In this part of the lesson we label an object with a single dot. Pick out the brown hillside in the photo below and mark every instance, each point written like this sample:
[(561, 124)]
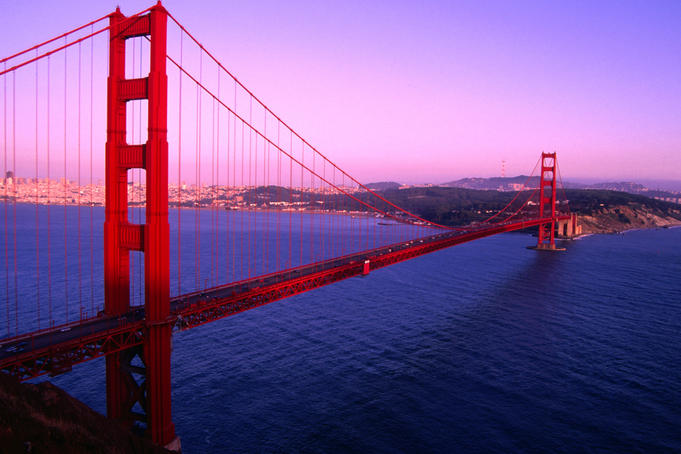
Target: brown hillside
[(43, 418)]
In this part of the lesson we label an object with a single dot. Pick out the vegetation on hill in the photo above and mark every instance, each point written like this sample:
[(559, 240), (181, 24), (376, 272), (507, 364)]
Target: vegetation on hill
[(45, 419), (603, 211), (590, 201), (491, 183), (449, 206), (613, 211)]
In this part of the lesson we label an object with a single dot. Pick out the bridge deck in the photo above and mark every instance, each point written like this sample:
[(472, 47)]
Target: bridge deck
[(57, 349)]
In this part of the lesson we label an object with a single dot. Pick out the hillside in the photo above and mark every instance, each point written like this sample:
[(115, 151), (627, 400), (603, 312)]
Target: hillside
[(612, 211), (600, 210), (514, 183), (45, 419), (493, 183)]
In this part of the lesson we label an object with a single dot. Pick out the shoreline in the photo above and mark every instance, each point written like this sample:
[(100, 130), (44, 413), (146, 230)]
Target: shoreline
[(625, 231), (603, 222)]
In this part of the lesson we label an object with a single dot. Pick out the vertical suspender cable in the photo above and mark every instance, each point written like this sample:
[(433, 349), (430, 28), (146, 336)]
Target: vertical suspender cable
[(313, 216), (265, 198), (132, 122), (227, 193), (140, 278), (232, 220), (243, 213), (92, 249), (255, 218), (49, 201), (360, 221), (290, 199), (266, 174), (37, 213), (80, 269), (179, 173), (234, 186), (337, 231), (250, 187), (4, 150), (279, 197), (300, 211), (324, 220), (199, 193), (373, 221), (343, 240), (213, 257), (197, 265), (66, 257), (14, 208), (217, 183)]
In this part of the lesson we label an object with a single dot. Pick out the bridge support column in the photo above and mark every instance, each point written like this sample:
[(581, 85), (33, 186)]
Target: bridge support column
[(152, 238), (157, 240), (547, 203), (569, 228), (116, 257)]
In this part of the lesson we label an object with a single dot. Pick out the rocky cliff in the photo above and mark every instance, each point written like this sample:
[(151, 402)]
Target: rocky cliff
[(619, 218)]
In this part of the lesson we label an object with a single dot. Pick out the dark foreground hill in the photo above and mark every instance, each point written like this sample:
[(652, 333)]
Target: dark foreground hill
[(44, 419)]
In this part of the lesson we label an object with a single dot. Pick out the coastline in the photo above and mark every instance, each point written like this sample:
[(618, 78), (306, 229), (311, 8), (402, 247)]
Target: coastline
[(611, 220), (623, 232), (621, 219)]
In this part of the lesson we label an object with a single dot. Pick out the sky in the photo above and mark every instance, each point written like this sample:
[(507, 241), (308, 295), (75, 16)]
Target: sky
[(433, 91)]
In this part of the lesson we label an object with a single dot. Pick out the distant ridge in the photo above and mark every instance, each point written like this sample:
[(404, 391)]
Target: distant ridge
[(383, 185), (515, 184), (622, 186), (494, 183)]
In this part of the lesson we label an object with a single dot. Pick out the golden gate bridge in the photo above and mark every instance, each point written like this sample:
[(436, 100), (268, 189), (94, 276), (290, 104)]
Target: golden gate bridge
[(264, 216)]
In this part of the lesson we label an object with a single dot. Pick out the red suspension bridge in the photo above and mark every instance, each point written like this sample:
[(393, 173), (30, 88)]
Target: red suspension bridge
[(212, 205)]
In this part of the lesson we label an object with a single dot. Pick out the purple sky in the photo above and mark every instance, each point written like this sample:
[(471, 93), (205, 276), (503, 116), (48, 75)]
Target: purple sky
[(432, 91)]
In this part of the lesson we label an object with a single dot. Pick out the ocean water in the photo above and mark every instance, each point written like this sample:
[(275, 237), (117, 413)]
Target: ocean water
[(483, 347), (51, 257)]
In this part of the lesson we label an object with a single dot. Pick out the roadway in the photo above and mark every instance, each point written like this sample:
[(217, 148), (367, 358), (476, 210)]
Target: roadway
[(56, 349)]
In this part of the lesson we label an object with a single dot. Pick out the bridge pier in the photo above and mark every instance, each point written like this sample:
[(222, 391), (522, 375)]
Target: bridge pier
[(546, 247), (568, 228)]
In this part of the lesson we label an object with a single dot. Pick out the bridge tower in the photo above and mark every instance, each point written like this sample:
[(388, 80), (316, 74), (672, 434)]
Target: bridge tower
[(547, 202), (139, 389)]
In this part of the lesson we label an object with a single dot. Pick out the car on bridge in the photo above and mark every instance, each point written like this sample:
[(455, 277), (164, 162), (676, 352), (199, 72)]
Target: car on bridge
[(16, 348)]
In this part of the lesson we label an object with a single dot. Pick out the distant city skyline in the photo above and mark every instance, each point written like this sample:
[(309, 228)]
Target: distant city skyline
[(438, 91), (62, 186)]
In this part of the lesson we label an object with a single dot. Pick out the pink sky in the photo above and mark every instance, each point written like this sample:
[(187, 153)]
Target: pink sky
[(433, 91)]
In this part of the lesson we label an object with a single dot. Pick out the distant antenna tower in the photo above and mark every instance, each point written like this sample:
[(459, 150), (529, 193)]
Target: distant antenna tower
[(503, 168)]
